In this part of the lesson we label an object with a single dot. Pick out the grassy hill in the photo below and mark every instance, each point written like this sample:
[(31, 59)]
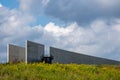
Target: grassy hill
[(41, 71)]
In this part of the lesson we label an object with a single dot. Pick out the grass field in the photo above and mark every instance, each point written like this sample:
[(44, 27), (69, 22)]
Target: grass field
[(42, 71)]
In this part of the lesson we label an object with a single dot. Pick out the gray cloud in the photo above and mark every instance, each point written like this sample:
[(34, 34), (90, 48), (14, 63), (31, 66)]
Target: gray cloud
[(34, 7), (80, 11), (83, 11)]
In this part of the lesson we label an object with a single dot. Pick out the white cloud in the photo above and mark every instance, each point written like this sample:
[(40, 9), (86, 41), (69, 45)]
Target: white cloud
[(93, 40), (0, 5), (58, 31), (34, 7)]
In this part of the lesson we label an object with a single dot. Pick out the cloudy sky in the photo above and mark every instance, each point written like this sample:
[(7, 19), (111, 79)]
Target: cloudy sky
[(90, 27)]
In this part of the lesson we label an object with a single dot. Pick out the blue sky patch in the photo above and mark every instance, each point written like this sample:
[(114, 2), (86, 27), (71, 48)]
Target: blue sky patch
[(10, 3)]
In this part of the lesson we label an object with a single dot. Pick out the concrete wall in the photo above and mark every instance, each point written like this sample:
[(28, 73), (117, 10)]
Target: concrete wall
[(15, 53), (63, 56), (34, 52)]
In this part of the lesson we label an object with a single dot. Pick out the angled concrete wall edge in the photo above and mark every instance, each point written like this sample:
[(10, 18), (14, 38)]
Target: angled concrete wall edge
[(34, 42)]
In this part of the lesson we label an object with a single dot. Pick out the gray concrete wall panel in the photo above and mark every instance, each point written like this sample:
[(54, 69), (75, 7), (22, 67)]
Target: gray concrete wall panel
[(63, 56), (16, 53), (34, 51)]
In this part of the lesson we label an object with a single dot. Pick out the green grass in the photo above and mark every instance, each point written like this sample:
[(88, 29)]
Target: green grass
[(41, 71)]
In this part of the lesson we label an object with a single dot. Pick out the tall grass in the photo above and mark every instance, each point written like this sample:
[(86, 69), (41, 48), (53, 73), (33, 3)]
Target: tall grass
[(42, 71)]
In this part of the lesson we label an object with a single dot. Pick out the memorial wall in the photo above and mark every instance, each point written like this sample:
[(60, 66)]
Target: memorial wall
[(66, 57), (15, 53), (34, 51)]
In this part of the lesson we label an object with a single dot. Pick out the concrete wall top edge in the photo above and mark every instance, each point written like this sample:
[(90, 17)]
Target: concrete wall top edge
[(15, 45), (82, 54), (34, 42)]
